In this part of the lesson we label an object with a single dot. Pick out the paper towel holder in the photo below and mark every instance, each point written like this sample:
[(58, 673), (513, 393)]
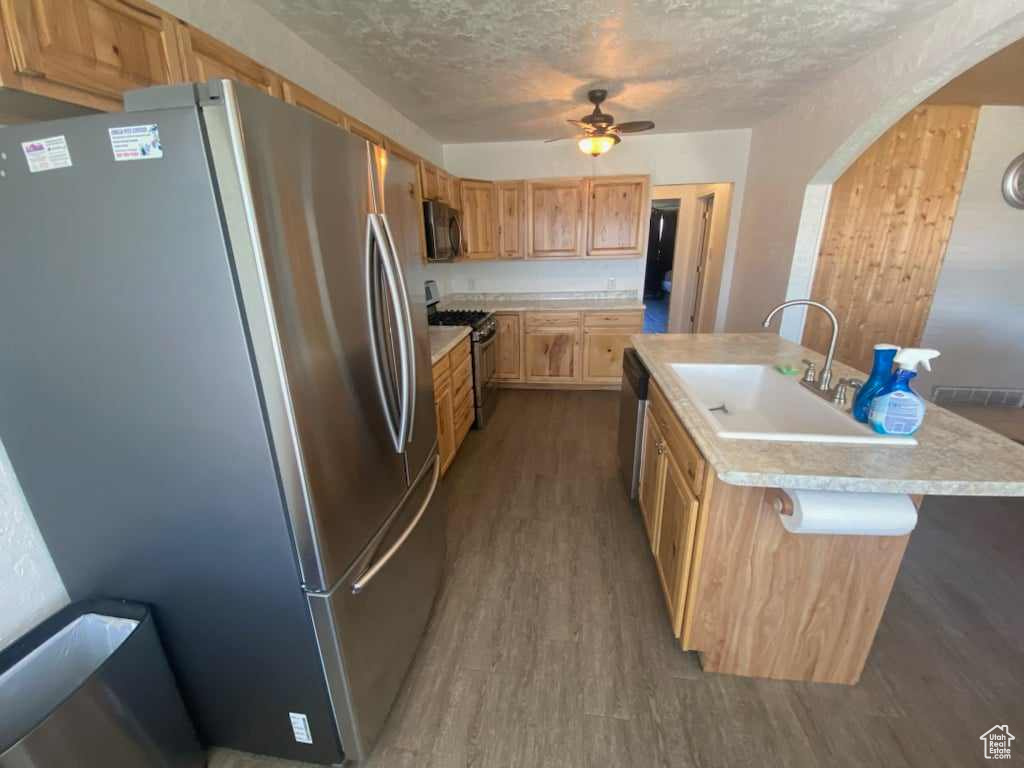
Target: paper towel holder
[(779, 501)]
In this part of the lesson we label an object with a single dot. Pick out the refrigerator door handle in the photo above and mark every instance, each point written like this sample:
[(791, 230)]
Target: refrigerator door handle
[(407, 349), (377, 243), (372, 570)]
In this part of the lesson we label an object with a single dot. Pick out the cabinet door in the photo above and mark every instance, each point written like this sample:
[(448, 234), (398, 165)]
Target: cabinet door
[(444, 189), (616, 222), (509, 360), (652, 474), (479, 219), (552, 355), (429, 180), (602, 355), (300, 97), (555, 215), (207, 58), (675, 542), (445, 423), (97, 49), (511, 196)]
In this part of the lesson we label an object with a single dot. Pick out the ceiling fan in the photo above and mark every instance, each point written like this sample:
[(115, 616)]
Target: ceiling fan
[(600, 132)]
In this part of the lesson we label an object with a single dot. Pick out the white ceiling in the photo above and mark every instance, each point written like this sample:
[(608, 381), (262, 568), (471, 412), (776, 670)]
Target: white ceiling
[(490, 70)]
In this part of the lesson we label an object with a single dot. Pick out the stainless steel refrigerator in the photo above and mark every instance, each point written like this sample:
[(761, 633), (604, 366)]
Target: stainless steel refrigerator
[(215, 389)]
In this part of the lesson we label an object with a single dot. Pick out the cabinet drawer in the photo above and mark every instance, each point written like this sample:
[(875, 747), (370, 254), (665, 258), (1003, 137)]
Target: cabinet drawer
[(535, 320), (441, 369), (690, 461), (462, 381), (459, 353), (628, 319)]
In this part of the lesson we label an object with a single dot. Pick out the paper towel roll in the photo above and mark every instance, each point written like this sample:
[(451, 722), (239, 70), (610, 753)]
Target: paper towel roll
[(850, 514)]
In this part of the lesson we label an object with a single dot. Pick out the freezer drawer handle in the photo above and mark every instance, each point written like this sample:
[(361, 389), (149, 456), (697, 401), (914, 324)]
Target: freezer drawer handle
[(374, 569)]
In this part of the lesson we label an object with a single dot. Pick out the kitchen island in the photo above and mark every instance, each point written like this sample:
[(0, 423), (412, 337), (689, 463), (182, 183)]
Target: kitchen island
[(752, 598)]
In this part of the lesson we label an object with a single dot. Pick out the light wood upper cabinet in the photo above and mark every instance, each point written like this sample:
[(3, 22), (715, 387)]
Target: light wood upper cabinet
[(556, 212), (90, 52), (508, 360), (511, 219), (300, 97), (455, 192), (617, 220), (429, 181), (444, 189), (363, 131), (207, 58), (479, 219)]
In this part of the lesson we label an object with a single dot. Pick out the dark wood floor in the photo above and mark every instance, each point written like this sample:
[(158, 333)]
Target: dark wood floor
[(550, 646)]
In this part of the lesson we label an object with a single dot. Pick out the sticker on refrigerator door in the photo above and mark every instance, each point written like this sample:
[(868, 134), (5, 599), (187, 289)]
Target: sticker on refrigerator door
[(46, 154), (136, 142), (300, 727)]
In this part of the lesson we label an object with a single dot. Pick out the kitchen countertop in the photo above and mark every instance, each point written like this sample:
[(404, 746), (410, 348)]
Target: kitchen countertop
[(443, 339), (954, 456), (570, 301)]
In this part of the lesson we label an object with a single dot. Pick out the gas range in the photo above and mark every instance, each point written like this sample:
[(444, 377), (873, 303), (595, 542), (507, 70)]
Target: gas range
[(483, 323)]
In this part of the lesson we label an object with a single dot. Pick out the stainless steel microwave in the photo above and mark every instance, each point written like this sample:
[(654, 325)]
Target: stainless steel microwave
[(444, 231)]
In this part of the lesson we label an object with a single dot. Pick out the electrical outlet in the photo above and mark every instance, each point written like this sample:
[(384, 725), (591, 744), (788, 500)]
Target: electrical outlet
[(611, 283)]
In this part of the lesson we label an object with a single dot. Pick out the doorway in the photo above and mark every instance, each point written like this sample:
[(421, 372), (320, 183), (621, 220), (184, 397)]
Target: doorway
[(661, 246), (685, 252)]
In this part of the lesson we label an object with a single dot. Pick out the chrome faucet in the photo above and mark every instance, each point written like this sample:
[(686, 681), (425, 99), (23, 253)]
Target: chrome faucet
[(825, 377)]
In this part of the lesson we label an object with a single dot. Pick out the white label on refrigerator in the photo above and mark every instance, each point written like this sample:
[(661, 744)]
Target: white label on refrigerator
[(46, 154), (136, 142), (300, 727)]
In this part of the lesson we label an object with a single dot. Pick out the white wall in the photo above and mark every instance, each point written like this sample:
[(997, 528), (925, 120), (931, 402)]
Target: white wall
[(30, 589), (812, 141), (977, 315), (250, 29), (669, 158)]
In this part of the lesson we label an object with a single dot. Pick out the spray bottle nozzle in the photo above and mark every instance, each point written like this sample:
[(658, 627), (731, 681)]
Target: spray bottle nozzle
[(909, 358)]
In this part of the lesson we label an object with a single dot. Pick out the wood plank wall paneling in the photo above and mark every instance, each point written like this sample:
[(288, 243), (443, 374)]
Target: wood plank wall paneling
[(886, 233)]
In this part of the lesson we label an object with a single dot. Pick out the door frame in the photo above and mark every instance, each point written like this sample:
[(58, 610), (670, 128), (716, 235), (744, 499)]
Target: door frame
[(688, 257)]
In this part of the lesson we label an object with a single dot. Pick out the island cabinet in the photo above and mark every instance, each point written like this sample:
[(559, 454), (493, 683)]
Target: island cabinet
[(751, 598), (509, 358), (87, 52), (453, 401)]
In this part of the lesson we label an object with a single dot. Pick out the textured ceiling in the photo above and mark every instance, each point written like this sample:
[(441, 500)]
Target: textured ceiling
[(495, 70)]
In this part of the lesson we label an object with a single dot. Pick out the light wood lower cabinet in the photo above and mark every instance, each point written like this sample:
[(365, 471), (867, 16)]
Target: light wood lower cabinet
[(652, 478), (509, 358), (453, 401), (551, 349)]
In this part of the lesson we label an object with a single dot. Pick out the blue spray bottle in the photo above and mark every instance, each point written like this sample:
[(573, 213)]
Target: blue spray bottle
[(897, 409), (881, 375)]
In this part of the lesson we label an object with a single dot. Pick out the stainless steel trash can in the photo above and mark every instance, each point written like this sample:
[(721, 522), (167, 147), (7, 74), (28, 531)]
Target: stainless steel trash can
[(90, 687)]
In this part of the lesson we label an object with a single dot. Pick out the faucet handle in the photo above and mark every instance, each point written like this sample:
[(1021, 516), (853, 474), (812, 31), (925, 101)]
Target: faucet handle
[(811, 374)]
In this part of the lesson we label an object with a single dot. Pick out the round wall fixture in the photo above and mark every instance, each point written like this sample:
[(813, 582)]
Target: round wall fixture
[(1013, 182)]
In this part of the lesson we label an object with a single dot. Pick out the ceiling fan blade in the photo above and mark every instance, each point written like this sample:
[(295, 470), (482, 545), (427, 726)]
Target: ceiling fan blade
[(634, 127), (579, 123), (560, 138)]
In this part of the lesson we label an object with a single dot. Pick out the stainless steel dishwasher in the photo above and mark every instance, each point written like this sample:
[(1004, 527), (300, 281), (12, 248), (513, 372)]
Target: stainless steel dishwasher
[(632, 409)]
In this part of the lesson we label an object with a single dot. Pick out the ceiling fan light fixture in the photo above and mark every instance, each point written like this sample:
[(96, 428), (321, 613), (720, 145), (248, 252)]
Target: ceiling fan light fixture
[(597, 145)]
